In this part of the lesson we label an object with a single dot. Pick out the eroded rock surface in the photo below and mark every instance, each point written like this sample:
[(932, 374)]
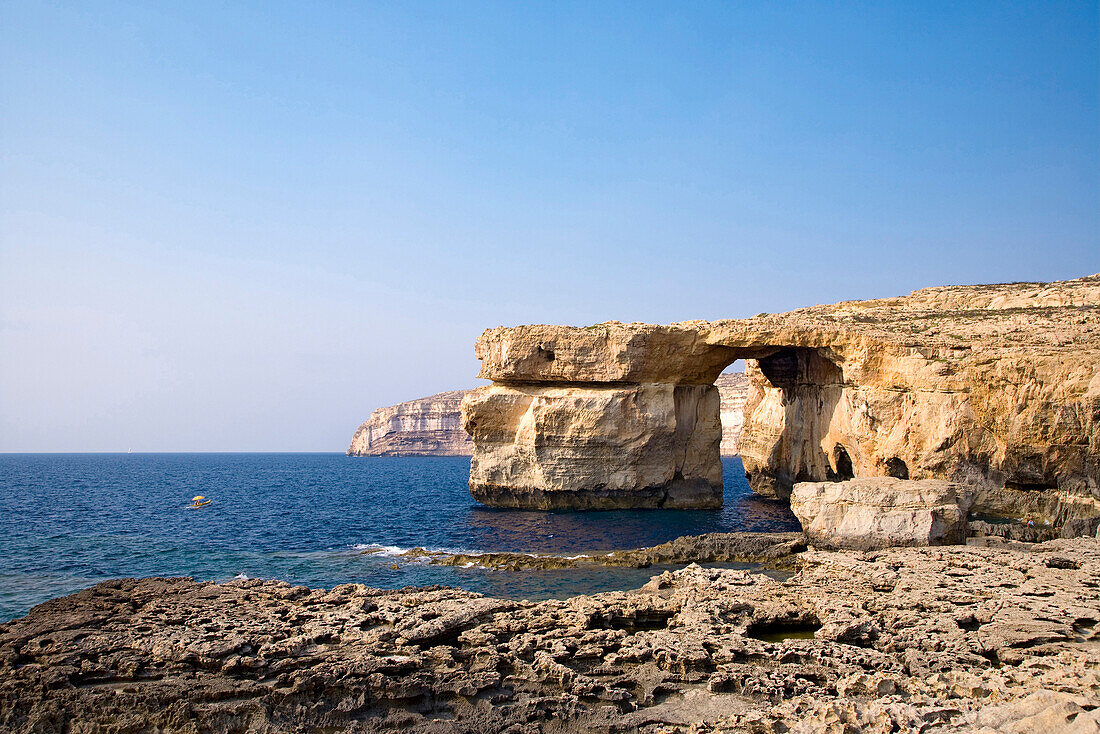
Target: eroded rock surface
[(902, 640), (775, 549), (430, 426), (602, 447), (878, 512), (997, 386)]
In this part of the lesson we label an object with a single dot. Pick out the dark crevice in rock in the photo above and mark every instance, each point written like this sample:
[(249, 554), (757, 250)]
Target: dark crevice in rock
[(1031, 486), (842, 463), (897, 468), (637, 621), (970, 623), (776, 630)]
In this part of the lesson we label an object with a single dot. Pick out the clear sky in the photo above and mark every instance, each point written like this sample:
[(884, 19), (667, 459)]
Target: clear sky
[(243, 226)]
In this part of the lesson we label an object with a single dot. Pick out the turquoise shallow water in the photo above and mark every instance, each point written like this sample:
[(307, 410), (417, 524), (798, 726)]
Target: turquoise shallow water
[(70, 521)]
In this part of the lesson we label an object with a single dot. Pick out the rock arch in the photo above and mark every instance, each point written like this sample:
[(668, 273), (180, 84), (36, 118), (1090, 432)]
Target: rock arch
[(936, 385), (628, 416)]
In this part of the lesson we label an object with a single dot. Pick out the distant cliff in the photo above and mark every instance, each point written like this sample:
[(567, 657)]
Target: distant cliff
[(733, 389), (432, 426)]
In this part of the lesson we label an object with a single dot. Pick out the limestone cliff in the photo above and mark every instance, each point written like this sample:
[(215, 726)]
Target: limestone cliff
[(733, 390), (994, 385), (578, 447), (430, 426)]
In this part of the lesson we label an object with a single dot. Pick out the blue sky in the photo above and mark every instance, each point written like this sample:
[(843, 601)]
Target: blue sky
[(243, 226)]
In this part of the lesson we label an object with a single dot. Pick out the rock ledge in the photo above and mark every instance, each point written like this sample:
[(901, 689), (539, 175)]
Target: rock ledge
[(948, 639)]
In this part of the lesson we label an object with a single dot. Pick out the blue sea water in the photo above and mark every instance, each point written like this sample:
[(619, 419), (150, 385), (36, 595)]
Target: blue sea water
[(70, 521)]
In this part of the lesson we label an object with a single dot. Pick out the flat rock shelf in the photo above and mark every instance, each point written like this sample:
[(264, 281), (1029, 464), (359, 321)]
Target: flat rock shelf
[(954, 638)]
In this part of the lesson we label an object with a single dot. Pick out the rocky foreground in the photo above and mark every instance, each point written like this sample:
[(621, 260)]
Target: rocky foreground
[(944, 639)]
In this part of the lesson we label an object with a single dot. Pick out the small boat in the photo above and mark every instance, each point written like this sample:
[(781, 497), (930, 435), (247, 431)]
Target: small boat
[(197, 502)]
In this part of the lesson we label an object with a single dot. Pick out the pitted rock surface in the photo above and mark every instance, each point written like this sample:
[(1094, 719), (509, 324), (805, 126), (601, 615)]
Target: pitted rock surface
[(939, 639)]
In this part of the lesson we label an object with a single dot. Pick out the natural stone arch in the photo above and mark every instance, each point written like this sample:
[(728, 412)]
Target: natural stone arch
[(928, 386), (625, 416)]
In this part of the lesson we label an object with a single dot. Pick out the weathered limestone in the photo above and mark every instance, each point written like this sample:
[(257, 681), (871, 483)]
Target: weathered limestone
[(649, 445), (950, 639), (600, 420), (880, 512), (997, 386), (430, 426)]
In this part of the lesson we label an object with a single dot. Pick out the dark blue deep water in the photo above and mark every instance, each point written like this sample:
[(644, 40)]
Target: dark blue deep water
[(70, 521)]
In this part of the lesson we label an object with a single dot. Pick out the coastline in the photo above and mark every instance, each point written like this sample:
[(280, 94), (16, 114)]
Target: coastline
[(302, 518), (775, 549), (948, 638)]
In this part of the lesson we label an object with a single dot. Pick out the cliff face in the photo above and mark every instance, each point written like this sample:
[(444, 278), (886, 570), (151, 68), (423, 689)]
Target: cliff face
[(997, 386), (733, 389), (429, 426), (577, 447)]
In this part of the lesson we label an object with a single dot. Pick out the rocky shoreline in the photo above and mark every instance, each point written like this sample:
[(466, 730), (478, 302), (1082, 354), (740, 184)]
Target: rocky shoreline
[(776, 550), (1000, 637)]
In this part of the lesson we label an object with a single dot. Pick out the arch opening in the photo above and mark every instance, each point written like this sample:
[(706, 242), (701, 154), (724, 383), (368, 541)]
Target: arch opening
[(802, 386)]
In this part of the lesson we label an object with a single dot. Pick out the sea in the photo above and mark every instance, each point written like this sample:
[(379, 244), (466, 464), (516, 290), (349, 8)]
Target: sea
[(69, 521)]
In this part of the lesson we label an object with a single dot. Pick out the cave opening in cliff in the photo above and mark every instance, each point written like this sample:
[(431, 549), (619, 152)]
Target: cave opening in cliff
[(781, 369), (897, 468), (842, 464), (791, 368)]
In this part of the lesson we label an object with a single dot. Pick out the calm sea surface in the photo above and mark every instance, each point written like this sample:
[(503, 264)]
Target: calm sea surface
[(70, 521)]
